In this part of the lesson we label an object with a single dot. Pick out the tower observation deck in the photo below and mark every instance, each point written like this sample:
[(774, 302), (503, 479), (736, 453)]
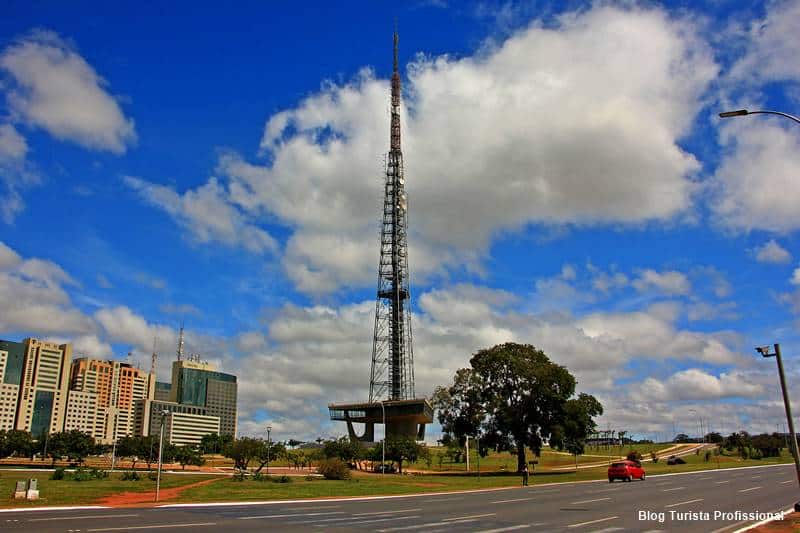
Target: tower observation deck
[(391, 388)]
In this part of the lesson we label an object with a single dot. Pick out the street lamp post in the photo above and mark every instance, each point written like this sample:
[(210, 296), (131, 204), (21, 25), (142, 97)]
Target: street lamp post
[(164, 414), (699, 422), (383, 442), (765, 352), (743, 112), (269, 429)]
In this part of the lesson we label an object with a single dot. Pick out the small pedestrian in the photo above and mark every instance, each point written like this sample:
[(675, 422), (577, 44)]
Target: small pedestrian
[(525, 476)]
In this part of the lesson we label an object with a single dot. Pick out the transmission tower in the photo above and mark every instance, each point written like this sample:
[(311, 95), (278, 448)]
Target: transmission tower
[(392, 374)]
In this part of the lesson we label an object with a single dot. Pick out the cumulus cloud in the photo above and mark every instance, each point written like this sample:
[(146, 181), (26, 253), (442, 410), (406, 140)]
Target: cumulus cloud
[(696, 384), (773, 47), (611, 90), (53, 87), (772, 252), (207, 214), (757, 180), (36, 301), (16, 172), (668, 282)]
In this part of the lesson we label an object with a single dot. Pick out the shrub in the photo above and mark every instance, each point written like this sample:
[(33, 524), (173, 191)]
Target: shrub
[(81, 474), (707, 457), (654, 457), (755, 453), (58, 474), (239, 476), (152, 476), (258, 476), (334, 469), (130, 475), (634, 455), (282, 479), (310, 478)]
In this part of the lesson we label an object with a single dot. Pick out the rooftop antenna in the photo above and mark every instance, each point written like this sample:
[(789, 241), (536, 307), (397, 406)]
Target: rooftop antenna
[(154, 358), (180, 344), (128, 359)]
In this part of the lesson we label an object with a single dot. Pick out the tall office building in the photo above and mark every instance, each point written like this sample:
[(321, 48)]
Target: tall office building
[(183, 424), (12, 355), (116, 386), (199, 384), (43, 385)]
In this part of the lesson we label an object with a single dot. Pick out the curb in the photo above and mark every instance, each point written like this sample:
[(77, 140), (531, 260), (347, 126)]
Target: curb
[(75, 508), (767, 521)]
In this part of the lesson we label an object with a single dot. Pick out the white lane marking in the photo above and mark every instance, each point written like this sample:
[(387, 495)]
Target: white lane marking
[(447, 499), (159, 526), (81, 517), (388, 512), (721, 482), (310, 508), (350, 521), (604, 491), (499, 529), (751, 488), (702, 478), (514, 500), (687, 502), (465, 517), (670, 490), (608, 530), (593, 521), (420, 526), (785, 482), (756, 477), (286, 515), (590, 501)]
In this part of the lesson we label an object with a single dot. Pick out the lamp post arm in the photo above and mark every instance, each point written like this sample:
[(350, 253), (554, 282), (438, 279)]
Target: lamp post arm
[(743, 112)]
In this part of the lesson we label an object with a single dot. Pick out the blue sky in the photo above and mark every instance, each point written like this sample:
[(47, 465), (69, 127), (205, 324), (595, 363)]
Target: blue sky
[(570, 186)]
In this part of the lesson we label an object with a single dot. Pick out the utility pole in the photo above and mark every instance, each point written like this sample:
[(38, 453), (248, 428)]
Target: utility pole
[(164, 414)]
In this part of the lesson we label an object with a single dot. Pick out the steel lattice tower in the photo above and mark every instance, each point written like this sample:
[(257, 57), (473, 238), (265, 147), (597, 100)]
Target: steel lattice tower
[(392, 375)]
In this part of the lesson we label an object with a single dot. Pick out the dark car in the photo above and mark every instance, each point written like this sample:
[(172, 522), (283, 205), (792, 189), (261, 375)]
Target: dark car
[(387, 468), (626, 471)]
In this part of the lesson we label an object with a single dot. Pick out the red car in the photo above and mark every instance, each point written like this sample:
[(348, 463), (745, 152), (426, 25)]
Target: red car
[(626, 471)]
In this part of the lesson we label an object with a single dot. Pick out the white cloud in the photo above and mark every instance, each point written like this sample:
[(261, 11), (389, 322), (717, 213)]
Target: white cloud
[(123, 325), (757, 181), (773, 46), (56, 89), (16, 172), (36, 302), (669, 282), (696, 384), (180, 309), (91, 346), (207, 214), (579, 124), (795, 277), (772, 252), (13, 146)]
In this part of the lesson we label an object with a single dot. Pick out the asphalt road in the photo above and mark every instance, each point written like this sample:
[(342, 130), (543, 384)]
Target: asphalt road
[(661, 503)]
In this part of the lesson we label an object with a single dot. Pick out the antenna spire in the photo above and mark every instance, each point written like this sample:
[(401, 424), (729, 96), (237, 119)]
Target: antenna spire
[(180, 343), (154, 358)]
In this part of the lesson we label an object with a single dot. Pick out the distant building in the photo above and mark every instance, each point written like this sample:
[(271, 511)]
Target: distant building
[(199, 384), (116, 386), (163, 391), (184, 425), (43, 386), (83, 414), (12, 356)]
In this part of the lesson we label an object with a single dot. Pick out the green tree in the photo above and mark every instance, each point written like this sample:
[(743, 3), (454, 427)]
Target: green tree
[(188, 455), (344, 448), (269, 452), (399, 449), (513, 396), (577, 424), (211, 443), (16, 442), (243, 451)]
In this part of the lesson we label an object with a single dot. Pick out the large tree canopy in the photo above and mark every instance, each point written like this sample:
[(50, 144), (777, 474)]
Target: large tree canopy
[(514, 397)]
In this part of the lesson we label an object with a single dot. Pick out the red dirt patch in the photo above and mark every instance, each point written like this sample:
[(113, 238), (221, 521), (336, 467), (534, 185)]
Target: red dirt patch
[(791, 522), (128, 499)]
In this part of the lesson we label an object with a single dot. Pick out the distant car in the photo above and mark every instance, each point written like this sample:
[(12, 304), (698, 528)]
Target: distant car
[(387, 468), (626, 471)]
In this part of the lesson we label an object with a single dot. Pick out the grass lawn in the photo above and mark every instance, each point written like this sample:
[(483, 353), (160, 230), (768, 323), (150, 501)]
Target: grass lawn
[(368, 484), (65, 492), (505, 461)]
